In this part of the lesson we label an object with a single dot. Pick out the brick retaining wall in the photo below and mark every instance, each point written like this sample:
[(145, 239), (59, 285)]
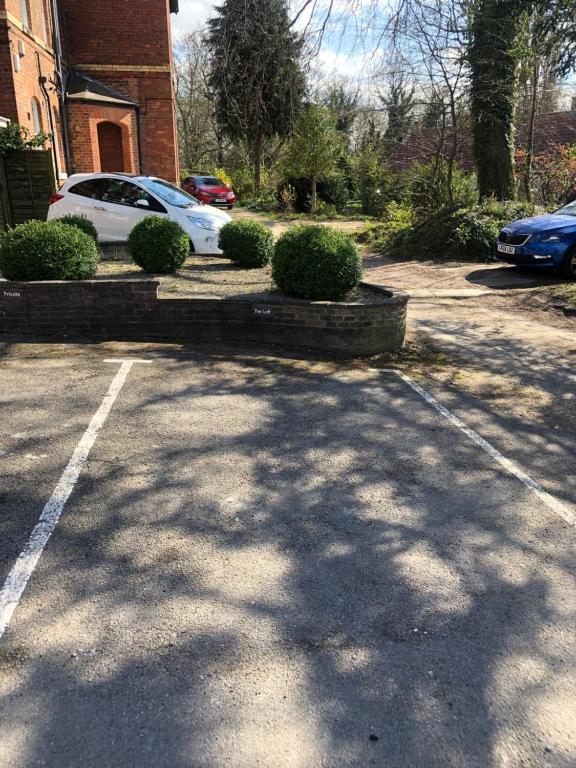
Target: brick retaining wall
[(131, 310)]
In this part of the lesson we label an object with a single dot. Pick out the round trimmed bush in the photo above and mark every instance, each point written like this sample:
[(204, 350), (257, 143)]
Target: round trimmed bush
[(47, 250), (82, 223), (316, 262), (158, 245), (247, 243)]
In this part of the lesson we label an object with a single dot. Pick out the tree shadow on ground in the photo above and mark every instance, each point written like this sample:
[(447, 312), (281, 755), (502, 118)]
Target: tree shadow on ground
[(508, 278), (278, 567)]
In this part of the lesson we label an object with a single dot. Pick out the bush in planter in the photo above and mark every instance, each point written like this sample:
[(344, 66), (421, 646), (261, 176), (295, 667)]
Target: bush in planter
[(82, 223), (316, 262), (47, 250), (158, 245), (247, 243)]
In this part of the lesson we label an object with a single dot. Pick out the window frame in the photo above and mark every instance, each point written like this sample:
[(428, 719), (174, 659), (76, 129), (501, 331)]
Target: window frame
[(36, 109), (25, 14)]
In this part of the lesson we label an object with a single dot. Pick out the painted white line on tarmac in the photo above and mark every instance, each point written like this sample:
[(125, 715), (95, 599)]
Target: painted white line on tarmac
[(551, 502), (127, 360), (24, 566)]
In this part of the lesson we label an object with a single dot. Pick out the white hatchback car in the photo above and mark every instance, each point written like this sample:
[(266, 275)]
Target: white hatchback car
[(115, 202)]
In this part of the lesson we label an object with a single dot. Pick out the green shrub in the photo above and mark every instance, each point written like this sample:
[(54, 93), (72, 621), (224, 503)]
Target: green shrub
[(265, 200), (158, 245), (458, 234), (52, 250), (82, 223), (247, 243), (332, 191), (316, 262), (397, 218), (373, 181), (425, 187)]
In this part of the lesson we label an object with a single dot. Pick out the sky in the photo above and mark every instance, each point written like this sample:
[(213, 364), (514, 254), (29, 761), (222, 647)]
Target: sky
[(341, 55)]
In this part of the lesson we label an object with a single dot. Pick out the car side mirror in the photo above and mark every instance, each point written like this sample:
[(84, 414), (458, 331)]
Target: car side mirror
[(142, 203)]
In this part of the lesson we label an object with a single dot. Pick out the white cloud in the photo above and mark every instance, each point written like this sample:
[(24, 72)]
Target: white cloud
[(342, 54), (193, 15)]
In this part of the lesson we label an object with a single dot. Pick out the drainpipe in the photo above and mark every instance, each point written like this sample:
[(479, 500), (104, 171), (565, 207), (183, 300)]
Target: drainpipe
[(60, 85), (139, 138), (43, 80)]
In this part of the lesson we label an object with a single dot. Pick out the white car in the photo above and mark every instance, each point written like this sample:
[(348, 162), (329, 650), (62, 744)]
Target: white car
[(115, 202)]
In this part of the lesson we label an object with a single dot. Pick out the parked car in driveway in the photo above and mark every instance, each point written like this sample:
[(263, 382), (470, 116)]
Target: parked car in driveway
[(115, 202), (210, 190), (545, 242)]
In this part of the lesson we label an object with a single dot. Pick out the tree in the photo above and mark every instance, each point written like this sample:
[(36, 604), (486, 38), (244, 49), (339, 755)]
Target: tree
[(199, 137), (557, 23), (315, 147), (429, 47), (399, 104), (256, 76), (343, 102), (493, 56)]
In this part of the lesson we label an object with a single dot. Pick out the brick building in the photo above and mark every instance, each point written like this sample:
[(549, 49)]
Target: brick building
[(98, 75)]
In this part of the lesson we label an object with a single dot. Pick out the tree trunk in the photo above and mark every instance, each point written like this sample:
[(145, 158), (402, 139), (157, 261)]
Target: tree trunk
[(314, 195), (453, 150), (258, 162), (493, 58), (530, 132)]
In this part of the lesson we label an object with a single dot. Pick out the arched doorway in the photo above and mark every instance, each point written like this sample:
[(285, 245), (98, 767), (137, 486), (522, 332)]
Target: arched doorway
[(111, 148)]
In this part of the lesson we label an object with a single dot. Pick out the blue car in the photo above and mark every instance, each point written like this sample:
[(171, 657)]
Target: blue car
[(545, 242)]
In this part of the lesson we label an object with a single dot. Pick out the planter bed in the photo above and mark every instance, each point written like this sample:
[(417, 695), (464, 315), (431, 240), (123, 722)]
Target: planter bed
[(208, 300), (213, 276)]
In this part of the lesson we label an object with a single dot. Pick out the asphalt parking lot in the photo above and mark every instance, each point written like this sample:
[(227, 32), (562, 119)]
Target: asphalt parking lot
[(270, 562)]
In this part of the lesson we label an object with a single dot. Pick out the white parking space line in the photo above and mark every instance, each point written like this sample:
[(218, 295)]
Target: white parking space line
[(24, 566), (551, 502)]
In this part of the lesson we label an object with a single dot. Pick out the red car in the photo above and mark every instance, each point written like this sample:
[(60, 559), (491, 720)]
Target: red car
[(209, 190)]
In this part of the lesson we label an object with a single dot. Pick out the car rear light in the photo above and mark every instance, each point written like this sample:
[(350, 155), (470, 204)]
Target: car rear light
[(54, 198)]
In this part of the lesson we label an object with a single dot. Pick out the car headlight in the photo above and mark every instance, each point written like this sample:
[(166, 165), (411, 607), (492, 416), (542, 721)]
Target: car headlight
[(212, 224), (547, 238)]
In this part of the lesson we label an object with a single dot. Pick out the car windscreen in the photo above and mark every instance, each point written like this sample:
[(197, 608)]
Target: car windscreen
[(567, 210), (169, 193), (209, 181)]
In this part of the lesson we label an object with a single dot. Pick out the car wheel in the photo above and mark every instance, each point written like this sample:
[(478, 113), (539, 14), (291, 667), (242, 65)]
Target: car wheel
[(192, 249), (230, 207), (569, 266)]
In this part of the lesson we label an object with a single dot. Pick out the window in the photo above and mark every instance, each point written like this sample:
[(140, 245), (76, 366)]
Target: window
[(24, 13), (169, 193), (125, 193), (36, 116), (209, 181), (89, 188), (43, 20), (567, 210)]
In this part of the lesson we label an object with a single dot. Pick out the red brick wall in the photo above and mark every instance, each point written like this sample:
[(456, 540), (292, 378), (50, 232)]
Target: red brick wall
[(19, 88), (129, 32), (124, 43), (132, 55)]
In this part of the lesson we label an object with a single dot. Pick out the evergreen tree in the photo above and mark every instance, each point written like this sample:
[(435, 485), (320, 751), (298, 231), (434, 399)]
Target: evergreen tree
[(557, 25), (256, 77)]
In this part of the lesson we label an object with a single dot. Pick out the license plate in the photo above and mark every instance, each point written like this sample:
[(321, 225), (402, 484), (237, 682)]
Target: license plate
[(506, 248), (220, 200)]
